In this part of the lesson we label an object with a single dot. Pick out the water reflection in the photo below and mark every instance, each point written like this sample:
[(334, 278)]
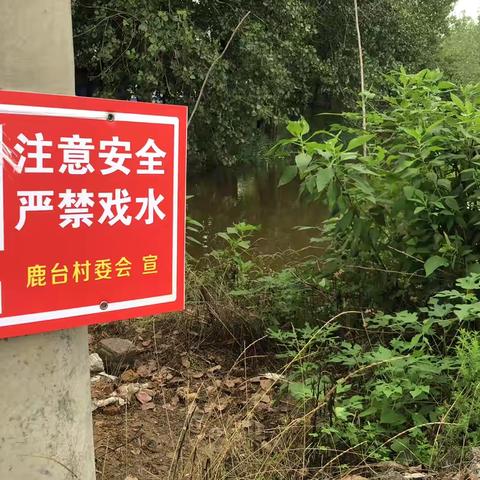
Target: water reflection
[(225, 196)]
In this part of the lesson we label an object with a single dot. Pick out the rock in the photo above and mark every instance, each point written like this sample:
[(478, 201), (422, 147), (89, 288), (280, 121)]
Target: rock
[(116, 351), (96, 363), (143, 397), (101, 376), (102, 388), (390, 475), (127, 391), (113, 400)]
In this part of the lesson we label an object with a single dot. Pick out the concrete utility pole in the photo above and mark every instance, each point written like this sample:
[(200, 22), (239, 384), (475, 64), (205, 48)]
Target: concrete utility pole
[(45, 422)]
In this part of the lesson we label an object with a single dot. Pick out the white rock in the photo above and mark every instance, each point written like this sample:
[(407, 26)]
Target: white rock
[(276, 377), (102, 375), (107, 401), (96, 363)]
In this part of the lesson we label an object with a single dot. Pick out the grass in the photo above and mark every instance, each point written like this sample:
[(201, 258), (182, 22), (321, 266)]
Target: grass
[(227, 426)]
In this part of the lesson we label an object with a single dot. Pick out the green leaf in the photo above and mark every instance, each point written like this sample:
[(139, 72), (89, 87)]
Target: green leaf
[(281, 143), (419, 419), (408, 191), (444, 85), (362, 169), (299, 128), (302, 160), (358, 141), (419, 390), (224, 236), (413, 133), (452, 203), (467, 312), (345, 221), (400, 445), (472, 282), (456, 100), (368, 412), (365, 187), (300, 391), (240, 293), (390, 417), (368, 95), (324, 177), (193, 222), (342, 413), (288, 175), (193, 240), (433, 263), (445, 183)]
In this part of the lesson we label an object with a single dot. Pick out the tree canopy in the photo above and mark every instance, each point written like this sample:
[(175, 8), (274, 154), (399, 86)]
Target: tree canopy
[(280, 59), (460, 52)]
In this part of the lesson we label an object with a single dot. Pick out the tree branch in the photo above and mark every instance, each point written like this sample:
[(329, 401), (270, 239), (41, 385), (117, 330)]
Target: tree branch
[(362, 73), (212, 66)]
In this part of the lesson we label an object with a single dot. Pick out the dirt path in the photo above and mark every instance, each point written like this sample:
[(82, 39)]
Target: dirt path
[(176, 402)]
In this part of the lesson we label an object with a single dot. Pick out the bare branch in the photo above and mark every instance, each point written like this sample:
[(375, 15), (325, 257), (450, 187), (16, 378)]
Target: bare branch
[(362, 73), (212, 66)]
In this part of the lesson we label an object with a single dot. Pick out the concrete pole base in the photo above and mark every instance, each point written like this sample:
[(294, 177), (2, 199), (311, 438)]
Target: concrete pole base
[(46, 427), (46, 422)]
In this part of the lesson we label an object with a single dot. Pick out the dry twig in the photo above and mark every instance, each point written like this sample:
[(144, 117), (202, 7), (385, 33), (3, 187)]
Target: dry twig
[(212, 66)]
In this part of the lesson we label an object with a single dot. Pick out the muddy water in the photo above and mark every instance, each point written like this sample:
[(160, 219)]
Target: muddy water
[(225, 196)]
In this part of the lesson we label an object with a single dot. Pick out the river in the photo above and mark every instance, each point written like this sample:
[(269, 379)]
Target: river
[(251, 194)]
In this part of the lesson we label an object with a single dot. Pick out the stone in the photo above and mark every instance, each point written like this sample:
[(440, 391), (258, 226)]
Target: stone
[(96, 363), (113, 400), (103, 376), (116, 351)]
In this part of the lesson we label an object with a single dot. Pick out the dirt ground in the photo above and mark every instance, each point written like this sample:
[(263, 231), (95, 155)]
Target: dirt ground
[(197, 406), (177, 401)]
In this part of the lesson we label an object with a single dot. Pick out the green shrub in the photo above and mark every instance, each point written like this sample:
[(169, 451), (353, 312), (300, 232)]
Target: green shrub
[(404, 195), (245, 293), (386, 385)]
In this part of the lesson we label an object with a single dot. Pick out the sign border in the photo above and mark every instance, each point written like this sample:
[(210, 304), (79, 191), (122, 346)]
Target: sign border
[(39, 317)]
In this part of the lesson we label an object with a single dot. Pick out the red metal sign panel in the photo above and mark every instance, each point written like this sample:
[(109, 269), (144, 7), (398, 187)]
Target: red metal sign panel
[(92, 211)]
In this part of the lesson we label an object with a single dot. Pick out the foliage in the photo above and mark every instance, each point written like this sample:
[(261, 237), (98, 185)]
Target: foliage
[(411, 204), (394, 33), (164, 49), (193, 228), (459, 55), (279, 61), (232, 258), (246, 293), (387, 399), (465, 409)]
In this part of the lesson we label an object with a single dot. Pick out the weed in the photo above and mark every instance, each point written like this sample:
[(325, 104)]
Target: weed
[(391, 394)]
